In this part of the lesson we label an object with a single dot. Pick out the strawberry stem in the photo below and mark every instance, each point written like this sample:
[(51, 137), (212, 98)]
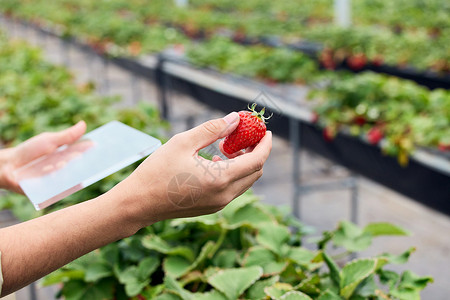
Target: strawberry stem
[(259, 115)]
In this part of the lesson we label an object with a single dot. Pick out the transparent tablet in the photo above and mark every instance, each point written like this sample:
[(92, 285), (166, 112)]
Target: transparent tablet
[(73, 167)]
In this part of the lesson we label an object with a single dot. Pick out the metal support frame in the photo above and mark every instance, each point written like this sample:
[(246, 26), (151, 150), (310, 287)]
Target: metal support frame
[(161, 83), (301, 189)]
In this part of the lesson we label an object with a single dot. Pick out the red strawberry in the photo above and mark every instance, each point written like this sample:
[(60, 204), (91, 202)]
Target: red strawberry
[(357, 62), (329, 133), (444, 147), (250, 130), (374, 135), (359, 120), (314, 117)]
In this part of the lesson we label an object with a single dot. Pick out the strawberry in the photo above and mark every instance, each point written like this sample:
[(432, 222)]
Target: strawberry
[(374, 135), (250, 130), (329, 133), (357, 62)]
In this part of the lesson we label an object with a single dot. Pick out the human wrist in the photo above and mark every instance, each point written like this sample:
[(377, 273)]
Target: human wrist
[(134, 209)]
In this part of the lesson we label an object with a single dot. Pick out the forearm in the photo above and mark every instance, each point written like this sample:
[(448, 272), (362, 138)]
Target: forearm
[(37, 247)]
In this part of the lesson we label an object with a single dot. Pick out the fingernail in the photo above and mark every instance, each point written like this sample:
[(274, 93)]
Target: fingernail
[(231, 117)]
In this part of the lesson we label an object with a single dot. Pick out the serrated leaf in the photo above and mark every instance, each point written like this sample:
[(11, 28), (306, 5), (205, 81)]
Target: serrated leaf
[(273, 236), (383, 228), (398, 259), (233, 282), (154, 242), (295, 295), (353, 273), (168, 296), (256, 291), (79, 290), (329, 295), (225, 258), (309, 285), (300, 255), (351, 237), (277, 290), (147, 266), (62, 275), (175, 287), (249, 214), (243, 200), (97, 271), (176, 266), (212, 295), (389, 278)]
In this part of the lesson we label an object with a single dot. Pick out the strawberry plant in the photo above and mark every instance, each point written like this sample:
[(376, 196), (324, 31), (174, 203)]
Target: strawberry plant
[(378, 107), (247, 251)]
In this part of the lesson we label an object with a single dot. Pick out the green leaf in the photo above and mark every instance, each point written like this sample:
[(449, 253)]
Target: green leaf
[(329, 295), (97, 271), (226, 258), (334, 269), (62, 275), (174, 286), (249, 214), (260, 256), (351, 237), (79, 290), (240, 202), (176, 266), (367, 288), (353, 273), (154, 242), (277, 290), (389, 278), (398, 259), (168, 296), (300, 255), (295, 295), (256, 291), (212, 295), (147, 266), (382, 228), (233, 282), (273, 236)]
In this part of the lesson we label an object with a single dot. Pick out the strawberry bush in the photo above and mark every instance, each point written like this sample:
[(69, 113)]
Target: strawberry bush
[(415, 36), (402, 113), (249, 250)]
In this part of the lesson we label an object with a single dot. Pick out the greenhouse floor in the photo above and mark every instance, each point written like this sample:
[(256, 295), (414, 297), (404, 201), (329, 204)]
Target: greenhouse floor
[(321, 210)]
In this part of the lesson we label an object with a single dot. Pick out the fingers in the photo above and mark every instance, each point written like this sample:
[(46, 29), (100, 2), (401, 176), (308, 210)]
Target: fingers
[(210, 131), (68, 135), (253, 161), (233, 155)]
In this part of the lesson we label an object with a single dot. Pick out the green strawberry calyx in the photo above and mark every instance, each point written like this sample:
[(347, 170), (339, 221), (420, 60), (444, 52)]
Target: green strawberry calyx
[(260, 114)]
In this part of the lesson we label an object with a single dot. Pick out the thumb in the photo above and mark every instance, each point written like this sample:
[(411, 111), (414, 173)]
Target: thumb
[(210, 131)]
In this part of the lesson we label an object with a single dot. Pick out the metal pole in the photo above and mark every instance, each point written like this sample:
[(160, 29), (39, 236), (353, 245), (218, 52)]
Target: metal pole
[(294, 136), (354, 205), (162, 88), (135, 88), (105, 82), (342, 13), (33, 295)]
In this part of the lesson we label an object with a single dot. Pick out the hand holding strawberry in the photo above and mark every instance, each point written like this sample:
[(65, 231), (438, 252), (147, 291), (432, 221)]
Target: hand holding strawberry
[(251, 129)]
